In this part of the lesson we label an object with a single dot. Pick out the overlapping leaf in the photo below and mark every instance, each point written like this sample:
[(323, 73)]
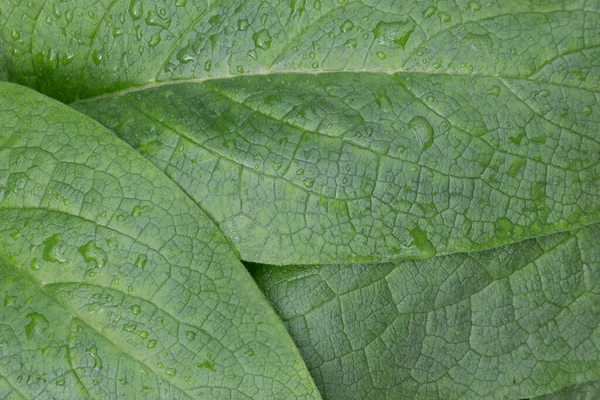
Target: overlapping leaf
[(512, 322), (313, 132), (445, 128), (113, 284)]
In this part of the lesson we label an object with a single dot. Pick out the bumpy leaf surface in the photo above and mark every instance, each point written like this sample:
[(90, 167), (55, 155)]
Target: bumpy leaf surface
[(113, 284), (583, 391), (511, 322), (355, 131)]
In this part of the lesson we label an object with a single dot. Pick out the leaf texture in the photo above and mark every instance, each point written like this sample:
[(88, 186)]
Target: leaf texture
[(113, 284), (340, 132), (511, 322)]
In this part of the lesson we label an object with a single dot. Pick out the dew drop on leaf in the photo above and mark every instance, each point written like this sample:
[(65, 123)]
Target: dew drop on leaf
[(37, 324), (474, 6), (420, 243), (351, 43), (91, 253), (262, 39), (428, 12), (136, 9), (394, 33), (243, 24), (154, 41), (141, 261), (422, 130), (347, 26), (136, 309), (52, 249), (153, 19), (97, 57)]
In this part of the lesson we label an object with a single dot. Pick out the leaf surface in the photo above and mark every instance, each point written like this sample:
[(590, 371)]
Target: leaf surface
[(358, 167), (355, 131), (583, 391), (511, 322), (113, 283)]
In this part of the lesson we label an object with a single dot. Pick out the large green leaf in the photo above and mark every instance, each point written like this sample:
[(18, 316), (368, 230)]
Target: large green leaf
[(113, 284), (511, 322), (369, 167), (583, 391), (394, 130)]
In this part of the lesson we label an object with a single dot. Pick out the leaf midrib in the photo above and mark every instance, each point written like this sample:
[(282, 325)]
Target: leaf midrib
[(157, 84)]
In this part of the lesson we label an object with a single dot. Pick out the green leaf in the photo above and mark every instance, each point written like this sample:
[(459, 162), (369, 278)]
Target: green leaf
[(361, 167), (356, 132), (583, 391), (511, 322), (113, 283)]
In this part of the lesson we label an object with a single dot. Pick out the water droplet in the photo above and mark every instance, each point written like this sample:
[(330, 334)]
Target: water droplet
[(68, 59), (381, 55), (494, 91), (180, 3), (154, 41), (136, 309), (300, 171), (141, 261), (444, 17), (129, 327), (429, 12), (15, 34), (10, 301), (171, 371), (317, 5), (207, 365), (136, 9), (94, 254), (351, 43), (394, 33), (60, 382), (347, 26), (153, 19), (423, 131), (185, 55), (383, 101), (239, 69), (474, 6), (151, 343), (142, 334), (298, 7), (190, 335), (587, 110), (37, 324), (517, 139), (243, 24), (93, 352), (207, 65), (97, 57), (34, 264), (52, 249), (262, 39), (308, 183), (419, 245)]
